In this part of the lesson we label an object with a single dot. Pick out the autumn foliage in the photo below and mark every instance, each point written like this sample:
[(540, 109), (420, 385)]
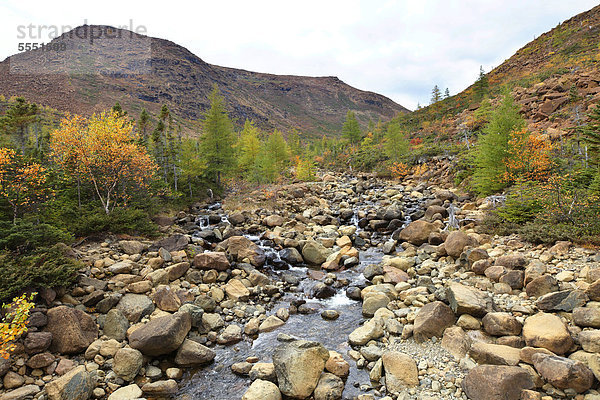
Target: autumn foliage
[(528, 158), (22, 184), (399, 170), (104, 151), (15, 323)]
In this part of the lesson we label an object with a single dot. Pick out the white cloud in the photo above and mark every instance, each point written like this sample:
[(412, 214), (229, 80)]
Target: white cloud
[(399, 48)]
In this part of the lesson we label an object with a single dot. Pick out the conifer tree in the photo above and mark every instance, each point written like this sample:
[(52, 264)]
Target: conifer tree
[(396, 144), (18, 117), (481, 86), (436, 94), (447, 93), (119, 110), (218, 138), (351, 130), (248, 149), (142, 126), (493, 146)]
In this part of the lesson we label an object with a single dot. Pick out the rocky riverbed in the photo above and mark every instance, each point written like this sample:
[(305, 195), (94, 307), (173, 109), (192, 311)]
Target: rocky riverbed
[(346, 288)]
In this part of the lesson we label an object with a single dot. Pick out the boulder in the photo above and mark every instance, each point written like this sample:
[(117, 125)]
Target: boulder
[(161, 389), (501, 324), (563, 373), (315, 253), (262, 390), (37, 342), (274, 220), (135, 306), (431, 320), (456, 242), (291, 256), (400, 371), (337, 365), (587, 317), (547, 331), (236, 290), (330, 387), (131, 247), (115, 325), (77, 384), (127, 363), (22, 393), (241, 248), (417, 232), (128, 392), (176, 242), (211, 260), (497, 354), (298, 366), (72, 330), (372, 329), (496, 382), (467, 300), (193, 354), (161, 335), (166, 299)]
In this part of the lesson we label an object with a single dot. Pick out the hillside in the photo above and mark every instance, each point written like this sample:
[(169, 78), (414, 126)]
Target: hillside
[(555, 78), (145, 72)]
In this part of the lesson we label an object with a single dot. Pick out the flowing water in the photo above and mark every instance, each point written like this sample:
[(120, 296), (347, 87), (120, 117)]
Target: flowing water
[(218, 382)]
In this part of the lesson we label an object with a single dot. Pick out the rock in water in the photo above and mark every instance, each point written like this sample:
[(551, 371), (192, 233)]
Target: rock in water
[(330, 387), (77, 384), (496, 382), (240, 248), (161, 335), (72, 330), (298, 366), (400, 371), (192, 354), (262, 390)]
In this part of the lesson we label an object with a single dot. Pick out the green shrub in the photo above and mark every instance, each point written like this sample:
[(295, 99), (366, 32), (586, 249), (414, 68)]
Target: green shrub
[(122, 220), (27, 236), (50, 267), (539, 232)]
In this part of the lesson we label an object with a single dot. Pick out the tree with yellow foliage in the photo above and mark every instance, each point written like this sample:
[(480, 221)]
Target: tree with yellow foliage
[(105, 151)]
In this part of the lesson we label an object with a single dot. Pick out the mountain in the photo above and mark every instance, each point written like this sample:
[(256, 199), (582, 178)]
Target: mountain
[(91, 67), (555, 79)]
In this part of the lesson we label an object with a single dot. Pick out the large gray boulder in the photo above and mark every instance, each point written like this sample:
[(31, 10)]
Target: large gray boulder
[(161, 335), (77, 384), (298, 366)]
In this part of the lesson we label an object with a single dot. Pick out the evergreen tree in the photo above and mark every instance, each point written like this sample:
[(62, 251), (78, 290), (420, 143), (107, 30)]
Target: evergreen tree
[(142, 126), (17, 119), (351, 130), (294, 143), (119, 110), (396, 144), (436, 94), (481, 86), (493, 146), (447, 93), (192, 165), (218, 138)]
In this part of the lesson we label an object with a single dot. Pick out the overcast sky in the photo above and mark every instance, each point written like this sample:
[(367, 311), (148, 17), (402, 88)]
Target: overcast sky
[(399, 48)]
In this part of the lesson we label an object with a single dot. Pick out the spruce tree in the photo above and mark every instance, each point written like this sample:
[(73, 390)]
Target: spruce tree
[(17, 119), (118, 110), (436, 94), (481, 86), (142, 126), (493, 147), (218, 138), (351, 130), (447, 93)]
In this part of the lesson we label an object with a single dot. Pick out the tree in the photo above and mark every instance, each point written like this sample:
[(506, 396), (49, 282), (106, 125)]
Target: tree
[(481, 86), (22, 184), (142, 127), (104, 151), (396, 145), (447, 93), (17, 118), (493, 147), (218, 138), (247, 148), (351, 130), (192, 165), (436, 94), (118, 110)]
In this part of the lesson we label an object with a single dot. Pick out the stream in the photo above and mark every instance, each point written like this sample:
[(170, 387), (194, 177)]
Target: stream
[(217, 382)]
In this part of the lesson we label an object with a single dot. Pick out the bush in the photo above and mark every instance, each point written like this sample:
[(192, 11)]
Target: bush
[(45, 268), (27, 236)]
